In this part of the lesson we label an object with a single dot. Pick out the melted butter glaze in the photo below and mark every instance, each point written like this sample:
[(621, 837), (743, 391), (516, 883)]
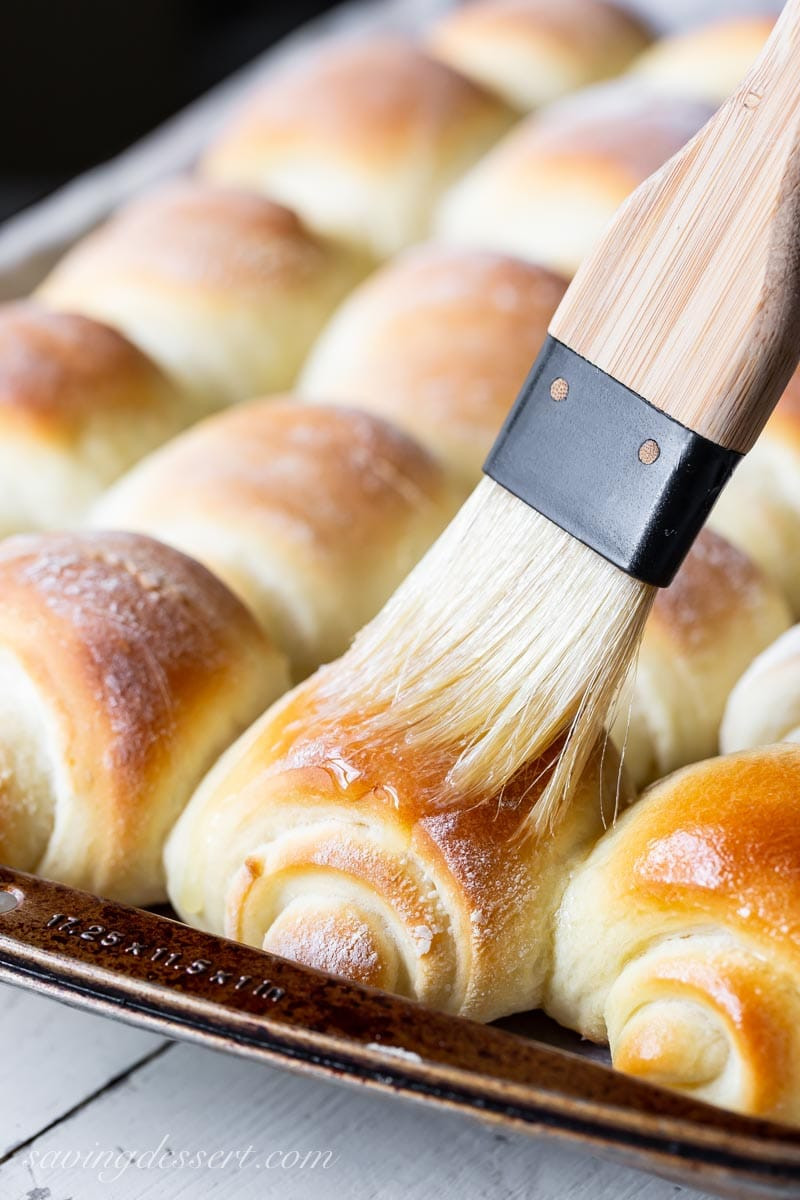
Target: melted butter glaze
[(392, 774)]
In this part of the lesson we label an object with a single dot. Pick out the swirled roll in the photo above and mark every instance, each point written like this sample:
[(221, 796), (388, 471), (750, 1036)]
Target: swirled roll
[(549, 188), (312, 515), (533, 51), (764, 707), (759, 510), (79, 404), (224, 289), (707, 61), (703, 631), (678, 938), (299, 843), (439, 341), (125, 670), (360, 138)]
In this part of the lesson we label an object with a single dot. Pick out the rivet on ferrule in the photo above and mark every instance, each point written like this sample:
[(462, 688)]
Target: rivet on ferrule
[(649, 451), (581, 465)]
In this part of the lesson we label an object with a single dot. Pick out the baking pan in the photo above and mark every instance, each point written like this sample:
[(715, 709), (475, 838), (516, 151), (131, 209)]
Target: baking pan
[(157, 973), (149, 970)]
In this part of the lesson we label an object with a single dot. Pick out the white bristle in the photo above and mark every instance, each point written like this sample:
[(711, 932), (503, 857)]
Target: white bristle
[(508, 634)]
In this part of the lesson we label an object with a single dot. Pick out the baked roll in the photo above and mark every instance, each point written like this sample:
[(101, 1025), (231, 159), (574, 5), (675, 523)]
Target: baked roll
[(312, 516), (298, 843), (360, 139), (533, 51), (708, 61), (764, 707), (79, 404), (549, 188), (678, 938), (125, 670), (703, 631), (759, 510), (224, 289), (439, 341)]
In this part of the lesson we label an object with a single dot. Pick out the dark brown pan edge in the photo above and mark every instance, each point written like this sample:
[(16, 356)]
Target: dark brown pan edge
[(163, 975)]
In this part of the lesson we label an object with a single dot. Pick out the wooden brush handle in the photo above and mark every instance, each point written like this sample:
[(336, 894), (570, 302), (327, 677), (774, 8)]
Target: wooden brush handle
[(692, 298)]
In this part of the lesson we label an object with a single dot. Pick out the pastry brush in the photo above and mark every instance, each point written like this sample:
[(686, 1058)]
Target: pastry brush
[(662, 363)]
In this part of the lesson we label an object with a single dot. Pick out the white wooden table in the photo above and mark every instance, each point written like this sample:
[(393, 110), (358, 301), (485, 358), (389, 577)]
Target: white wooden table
[(91, 1109)]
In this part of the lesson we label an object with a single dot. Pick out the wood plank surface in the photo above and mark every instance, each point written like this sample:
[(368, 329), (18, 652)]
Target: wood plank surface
[(52, 1058), (274, 1134)]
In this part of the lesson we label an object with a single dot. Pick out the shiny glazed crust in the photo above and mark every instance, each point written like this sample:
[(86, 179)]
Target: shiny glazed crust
[(356, 866), (680, 935)]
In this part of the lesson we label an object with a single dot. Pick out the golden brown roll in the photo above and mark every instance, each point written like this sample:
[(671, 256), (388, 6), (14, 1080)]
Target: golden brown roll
[(125, 670), (79, 404), (703, 631), (354, 865), (551, 185), (764, 707), (224, 289), (678, 939), (311, 515), (360, 139), (439, 341), (760, 508), (708, 61), (533, 51)]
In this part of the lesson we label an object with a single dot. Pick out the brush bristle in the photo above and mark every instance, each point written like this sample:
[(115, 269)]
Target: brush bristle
[(508, 634)]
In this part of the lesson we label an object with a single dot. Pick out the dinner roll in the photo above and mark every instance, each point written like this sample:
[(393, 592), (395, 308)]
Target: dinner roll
[(759, 510), (533, 51), (703, 631), (224, 289), (360, 138), (764, 706), (125, 670), (551, 185), (439, 341), (311, 515), (78, 405), (709, 61), (679, 937), (354, 863)]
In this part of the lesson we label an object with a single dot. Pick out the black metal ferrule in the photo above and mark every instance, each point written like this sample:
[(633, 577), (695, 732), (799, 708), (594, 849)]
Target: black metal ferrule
[(601, 462)]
